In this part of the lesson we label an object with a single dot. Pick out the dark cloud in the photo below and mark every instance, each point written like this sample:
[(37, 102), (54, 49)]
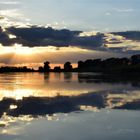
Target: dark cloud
[(132, 35), (4, 39), (41, 36)]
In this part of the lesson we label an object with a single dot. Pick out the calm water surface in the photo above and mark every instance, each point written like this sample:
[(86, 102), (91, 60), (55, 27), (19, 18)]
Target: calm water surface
[(72, 106)]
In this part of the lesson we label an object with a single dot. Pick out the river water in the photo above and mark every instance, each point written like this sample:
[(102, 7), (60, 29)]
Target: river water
[(72, 106)]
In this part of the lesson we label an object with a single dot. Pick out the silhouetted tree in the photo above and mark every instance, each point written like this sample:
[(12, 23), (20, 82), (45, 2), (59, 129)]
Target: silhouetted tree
[(97, 62), (89, 62), (46, 66), (124, 61), (40, 69), (135, 59), (80, 65), (16, 69), (57, 69), (67, 66)]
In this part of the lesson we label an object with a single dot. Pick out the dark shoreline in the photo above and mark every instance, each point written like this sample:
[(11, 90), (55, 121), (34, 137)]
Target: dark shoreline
[(111, 66)]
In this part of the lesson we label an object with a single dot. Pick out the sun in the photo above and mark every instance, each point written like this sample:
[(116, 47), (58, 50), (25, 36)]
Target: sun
[(20, 50), (17, 49)]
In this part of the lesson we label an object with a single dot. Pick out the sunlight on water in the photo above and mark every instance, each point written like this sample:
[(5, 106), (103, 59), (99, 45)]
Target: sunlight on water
[(17, 93), (20, 85)]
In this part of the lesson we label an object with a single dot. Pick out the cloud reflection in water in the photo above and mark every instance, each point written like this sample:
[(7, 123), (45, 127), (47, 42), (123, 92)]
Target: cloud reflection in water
[(80, 92)]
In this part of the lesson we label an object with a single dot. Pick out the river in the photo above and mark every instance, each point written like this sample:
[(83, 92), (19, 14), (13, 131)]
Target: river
[(72, 106)]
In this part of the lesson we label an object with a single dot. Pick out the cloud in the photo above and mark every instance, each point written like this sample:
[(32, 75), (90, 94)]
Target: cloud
[(128, 42), (41, 36), (117, 10), (132, 35), (9, 2), (108, 14), (20, 55), (124, 10), (71, 45), (11, 13), (91, 33), (13, 17)]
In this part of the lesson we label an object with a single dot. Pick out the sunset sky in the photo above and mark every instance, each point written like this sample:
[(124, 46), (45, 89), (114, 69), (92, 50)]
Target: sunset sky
[(88, 16)]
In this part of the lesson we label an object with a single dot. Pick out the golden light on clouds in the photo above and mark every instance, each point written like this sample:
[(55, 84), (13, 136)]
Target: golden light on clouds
[(117, 41), (12, 36), (111, 38), (92, 33), (33, 57), (17, 49), (22, 50)]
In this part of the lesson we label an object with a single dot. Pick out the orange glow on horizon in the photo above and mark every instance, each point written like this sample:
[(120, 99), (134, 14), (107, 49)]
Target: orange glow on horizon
[(37, 65)]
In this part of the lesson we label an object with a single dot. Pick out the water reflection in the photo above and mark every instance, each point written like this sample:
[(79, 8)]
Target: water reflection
[(41, 94), (134, 80), (28, 100), (20, 85), (65, 104)]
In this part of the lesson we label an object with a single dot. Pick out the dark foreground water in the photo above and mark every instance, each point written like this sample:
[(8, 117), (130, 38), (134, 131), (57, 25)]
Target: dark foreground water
[(68, 106)]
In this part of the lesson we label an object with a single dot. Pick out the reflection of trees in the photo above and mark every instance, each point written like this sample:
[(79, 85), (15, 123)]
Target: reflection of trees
[(68, 76), (46, 77), (109, 78), (136, 84), (57, 76)]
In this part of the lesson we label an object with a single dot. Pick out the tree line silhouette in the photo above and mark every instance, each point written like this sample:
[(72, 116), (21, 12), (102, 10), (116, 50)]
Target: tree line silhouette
[(15, 69), (109, 65)]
